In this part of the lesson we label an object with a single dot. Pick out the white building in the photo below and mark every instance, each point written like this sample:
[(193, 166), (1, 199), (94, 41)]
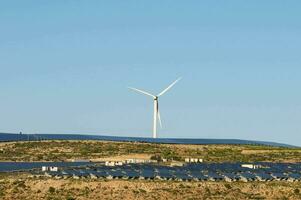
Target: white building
[(113, 163), (251, 166), (135, 161), (193, 160), (51, 169)]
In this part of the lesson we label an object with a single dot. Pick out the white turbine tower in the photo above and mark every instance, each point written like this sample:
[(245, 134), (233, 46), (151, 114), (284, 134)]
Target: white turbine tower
[(157, 115)]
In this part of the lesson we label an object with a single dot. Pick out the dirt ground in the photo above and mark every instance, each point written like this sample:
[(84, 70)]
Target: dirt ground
[(29, 188), (123, 157)]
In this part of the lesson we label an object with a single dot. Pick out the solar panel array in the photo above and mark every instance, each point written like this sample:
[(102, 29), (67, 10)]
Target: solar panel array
[(37, 137), (191, 172)]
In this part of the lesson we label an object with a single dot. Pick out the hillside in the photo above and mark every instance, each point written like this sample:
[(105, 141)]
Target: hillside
[(100, 150)]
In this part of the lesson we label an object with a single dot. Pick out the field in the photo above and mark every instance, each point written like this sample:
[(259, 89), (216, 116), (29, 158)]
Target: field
[(21, 187), (98, 150)]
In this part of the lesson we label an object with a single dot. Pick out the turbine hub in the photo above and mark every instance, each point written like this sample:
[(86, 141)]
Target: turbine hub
[(156, 98)]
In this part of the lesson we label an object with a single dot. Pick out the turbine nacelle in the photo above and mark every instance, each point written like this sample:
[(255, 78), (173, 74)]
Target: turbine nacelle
[(156, 104)]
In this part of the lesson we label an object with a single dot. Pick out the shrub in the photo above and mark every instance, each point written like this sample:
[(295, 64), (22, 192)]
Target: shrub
[(51, 190), (228, 186), (297, 191), (156, 157), (142, 191)]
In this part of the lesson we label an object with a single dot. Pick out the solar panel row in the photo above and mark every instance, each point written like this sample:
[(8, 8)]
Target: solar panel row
[(37, 137), (201, 172)]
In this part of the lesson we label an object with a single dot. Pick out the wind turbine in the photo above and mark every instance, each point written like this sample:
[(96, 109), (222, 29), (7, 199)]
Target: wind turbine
[(157, 115)]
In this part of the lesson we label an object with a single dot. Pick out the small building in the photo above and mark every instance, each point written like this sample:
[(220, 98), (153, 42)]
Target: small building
[(136, 161), (193, 160), (176, 164), (50, 169), (113, 163), (80, 160), (251, 166), (119, 163)]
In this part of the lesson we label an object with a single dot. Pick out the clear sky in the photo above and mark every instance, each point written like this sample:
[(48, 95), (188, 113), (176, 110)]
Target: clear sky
[(65, 67)]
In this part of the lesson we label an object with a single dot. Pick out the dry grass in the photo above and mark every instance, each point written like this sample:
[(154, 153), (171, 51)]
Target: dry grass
[(25, 188)]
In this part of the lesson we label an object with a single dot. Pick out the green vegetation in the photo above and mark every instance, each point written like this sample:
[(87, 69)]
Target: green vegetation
[(51, 190), (66, 150), (63, 150)]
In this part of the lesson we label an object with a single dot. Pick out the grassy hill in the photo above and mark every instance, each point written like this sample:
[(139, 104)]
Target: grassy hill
[(66, 150)]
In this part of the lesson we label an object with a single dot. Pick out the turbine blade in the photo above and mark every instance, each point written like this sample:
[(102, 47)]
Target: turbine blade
[(169, 87), (141, 91)]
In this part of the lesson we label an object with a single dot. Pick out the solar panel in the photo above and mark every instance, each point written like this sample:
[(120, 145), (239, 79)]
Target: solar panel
[(279, 175), (101, 174), (132, 174), (198, 175), (115, 173), (264, 176), (231, 176), (248, 176), (294, 176), (214, 176), (182, 175)]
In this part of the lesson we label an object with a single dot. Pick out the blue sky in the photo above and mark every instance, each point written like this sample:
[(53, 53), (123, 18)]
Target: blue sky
[(65, 66)]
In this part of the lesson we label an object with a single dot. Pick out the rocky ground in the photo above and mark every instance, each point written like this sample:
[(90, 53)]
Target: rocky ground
[(20, 187)]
